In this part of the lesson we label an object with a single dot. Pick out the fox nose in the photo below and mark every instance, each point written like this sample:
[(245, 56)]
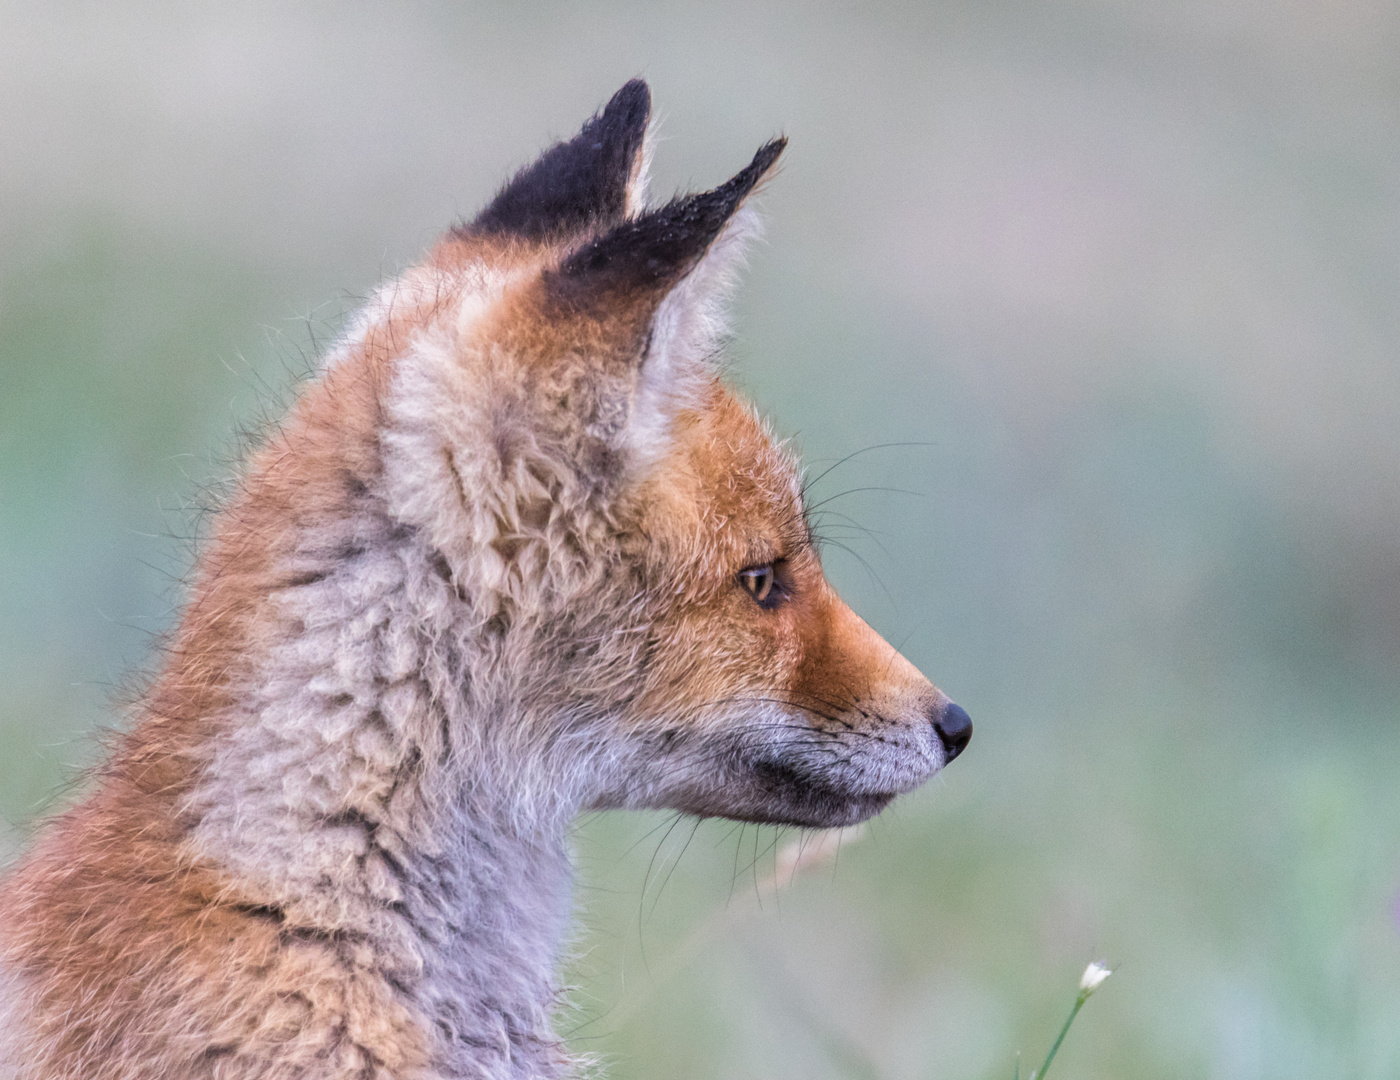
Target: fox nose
[(954, 729)]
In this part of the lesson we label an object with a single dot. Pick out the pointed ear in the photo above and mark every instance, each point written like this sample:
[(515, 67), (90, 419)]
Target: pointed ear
[(655, 289), (643, 307), (644, 258), (596, 178)]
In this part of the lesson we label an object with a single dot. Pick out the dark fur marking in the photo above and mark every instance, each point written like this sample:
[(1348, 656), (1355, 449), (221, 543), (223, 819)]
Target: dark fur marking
[(268, 912), (354, 486), (350, 818), (651, 253), (576, 184), (437, 562), (319, 935), (408, 771), (307, 577)]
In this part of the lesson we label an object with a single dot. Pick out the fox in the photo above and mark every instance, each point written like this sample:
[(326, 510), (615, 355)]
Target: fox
[(517, 552)]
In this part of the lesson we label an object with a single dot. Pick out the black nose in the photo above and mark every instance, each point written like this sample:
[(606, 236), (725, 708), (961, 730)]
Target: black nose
[(954, 727)]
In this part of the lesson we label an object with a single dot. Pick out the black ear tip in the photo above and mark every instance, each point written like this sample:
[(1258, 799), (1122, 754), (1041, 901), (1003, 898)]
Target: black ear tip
[(619, 128), (631, 104), (577, 183), (770, 150), (768, 154), (753, 173)]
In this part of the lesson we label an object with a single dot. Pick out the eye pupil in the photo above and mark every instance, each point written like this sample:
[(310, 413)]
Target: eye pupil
[(759, 582)]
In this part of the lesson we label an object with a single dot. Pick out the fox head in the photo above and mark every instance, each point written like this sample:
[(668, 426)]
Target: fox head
[(636, 600)]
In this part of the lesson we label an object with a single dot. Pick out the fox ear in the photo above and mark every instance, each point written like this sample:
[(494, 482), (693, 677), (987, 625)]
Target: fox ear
[(657, 286), (596, 178), (645, 257)]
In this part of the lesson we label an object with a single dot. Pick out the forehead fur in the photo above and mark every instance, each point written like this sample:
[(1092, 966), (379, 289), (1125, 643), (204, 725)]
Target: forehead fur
[(727, 494)]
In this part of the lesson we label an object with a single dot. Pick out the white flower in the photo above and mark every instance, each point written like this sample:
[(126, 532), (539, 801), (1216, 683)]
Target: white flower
[(806, 853), (1094, 975)]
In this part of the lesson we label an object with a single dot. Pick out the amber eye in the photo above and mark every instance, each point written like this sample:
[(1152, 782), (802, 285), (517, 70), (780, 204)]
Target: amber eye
[(761, 583)]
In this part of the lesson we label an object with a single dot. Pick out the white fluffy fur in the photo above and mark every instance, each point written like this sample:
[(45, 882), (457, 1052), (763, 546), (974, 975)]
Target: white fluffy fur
[(689, 327), (457, 881)]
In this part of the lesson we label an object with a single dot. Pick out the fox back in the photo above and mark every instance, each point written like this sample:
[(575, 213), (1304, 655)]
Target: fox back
[(516, 553)]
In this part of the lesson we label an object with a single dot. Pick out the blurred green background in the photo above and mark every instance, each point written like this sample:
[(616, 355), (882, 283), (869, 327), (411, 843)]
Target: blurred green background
[(1125, 272)]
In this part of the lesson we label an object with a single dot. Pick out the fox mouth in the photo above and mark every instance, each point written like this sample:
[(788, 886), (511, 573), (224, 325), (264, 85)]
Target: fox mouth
[(808, 785), (789, 796)]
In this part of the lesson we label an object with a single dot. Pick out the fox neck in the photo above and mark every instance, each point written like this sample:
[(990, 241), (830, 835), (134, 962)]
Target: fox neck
[(369, 784)]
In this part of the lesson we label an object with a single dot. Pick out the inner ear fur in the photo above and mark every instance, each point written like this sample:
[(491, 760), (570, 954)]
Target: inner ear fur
[(642, 307)]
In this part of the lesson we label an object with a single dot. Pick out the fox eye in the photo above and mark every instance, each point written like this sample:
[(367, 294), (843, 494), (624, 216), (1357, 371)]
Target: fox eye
[(762, 584)]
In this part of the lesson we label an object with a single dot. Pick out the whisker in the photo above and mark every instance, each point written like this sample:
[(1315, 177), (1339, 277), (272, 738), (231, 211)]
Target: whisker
[(856, 490), (814, 481)]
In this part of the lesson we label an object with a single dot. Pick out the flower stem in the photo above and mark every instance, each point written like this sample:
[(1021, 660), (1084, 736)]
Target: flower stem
[(1079, 1001)]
